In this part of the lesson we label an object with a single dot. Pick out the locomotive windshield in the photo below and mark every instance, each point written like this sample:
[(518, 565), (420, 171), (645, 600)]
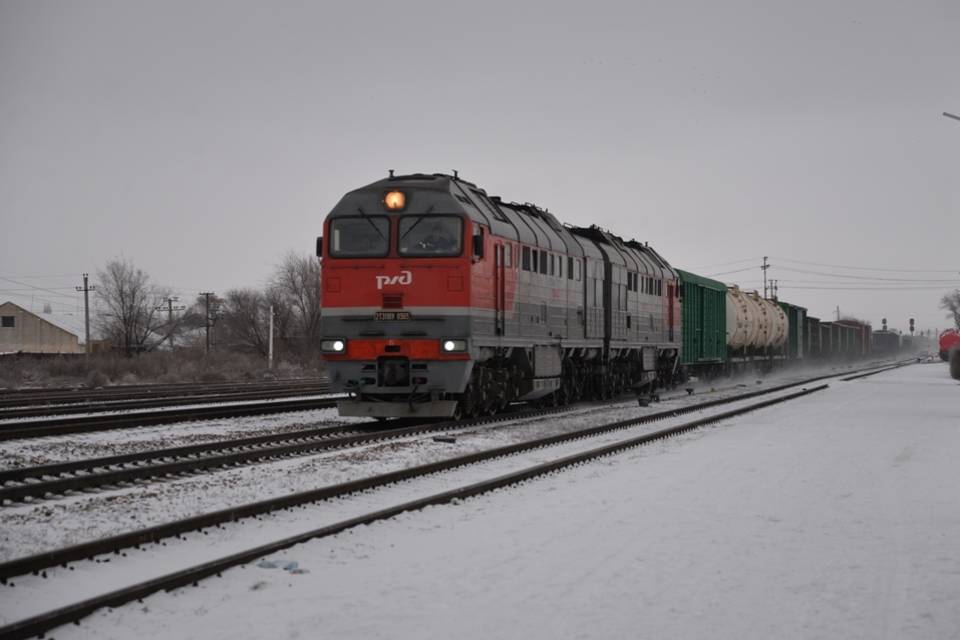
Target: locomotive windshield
[(430, 236), (360, 237)]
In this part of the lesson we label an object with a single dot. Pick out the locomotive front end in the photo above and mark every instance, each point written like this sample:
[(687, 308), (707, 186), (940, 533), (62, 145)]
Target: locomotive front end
[(395, 292)]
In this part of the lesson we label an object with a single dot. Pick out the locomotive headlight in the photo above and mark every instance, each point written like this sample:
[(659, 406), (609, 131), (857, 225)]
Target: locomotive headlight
[(452, 346), (395, 200), (333, 346)]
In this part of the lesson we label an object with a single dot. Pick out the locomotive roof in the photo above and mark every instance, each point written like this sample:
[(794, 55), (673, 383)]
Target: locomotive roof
[(440, 193)]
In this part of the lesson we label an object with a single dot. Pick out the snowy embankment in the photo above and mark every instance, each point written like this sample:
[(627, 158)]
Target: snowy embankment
[(833, 516)]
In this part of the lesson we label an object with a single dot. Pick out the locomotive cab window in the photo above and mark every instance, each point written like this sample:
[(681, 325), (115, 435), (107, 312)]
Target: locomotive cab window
[(360, 237), (526, 259), (430, 236)]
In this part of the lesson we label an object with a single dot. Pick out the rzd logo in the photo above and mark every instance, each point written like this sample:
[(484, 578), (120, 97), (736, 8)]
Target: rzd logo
[(404, 278)]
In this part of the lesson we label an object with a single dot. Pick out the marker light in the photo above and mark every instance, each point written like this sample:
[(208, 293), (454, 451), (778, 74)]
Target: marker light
[(333, 346), (395, 200), (454, 345)]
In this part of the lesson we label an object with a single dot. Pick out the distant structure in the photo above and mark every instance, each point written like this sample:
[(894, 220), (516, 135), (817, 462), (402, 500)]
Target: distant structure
[(22, 331)]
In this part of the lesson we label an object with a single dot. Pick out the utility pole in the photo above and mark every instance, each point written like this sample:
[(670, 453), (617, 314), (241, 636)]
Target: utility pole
[(170, 310), (764, 267), (206, 295), (270, 342), (86, 288)]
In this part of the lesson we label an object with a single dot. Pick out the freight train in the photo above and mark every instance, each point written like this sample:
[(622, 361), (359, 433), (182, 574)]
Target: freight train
[(439, 300)]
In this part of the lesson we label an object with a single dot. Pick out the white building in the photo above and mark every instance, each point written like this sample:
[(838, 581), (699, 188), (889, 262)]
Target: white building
[(22, 331)]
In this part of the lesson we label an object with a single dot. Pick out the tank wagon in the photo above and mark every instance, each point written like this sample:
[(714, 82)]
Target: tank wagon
[(442, 301)]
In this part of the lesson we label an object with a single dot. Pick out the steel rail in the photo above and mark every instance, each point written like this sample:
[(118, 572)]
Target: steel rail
[(160, 385), (86, 424), (90, 465), (114, 544), (50, 397), (873, 373), (41, 623), (124, 405)]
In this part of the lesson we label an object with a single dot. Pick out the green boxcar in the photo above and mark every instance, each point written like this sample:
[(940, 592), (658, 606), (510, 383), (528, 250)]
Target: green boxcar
[(704, 316), (796, 320)]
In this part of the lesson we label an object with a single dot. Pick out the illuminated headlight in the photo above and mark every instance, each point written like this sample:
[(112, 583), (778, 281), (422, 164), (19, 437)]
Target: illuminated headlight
[(452, 346), (333, 346)]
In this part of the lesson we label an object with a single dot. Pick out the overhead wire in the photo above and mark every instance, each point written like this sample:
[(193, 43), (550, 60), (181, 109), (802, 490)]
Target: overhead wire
[(853, 268), (34, 287)]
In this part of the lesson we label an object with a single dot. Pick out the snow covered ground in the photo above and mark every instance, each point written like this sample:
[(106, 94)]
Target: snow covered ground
[(836, 515), (27, 528)]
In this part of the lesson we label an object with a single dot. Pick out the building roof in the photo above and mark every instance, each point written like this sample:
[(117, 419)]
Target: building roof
[(67, 321)]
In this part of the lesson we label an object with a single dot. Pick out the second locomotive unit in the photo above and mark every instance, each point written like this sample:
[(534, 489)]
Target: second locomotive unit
[(439, 300)]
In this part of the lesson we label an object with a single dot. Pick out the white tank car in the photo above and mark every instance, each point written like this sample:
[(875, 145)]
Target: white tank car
[(754, 322)]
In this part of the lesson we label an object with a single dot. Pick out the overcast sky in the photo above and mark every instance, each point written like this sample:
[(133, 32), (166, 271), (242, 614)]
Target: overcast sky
[(204, 139)]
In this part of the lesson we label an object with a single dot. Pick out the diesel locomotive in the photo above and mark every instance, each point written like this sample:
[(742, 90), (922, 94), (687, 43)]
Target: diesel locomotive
[(440, 300)]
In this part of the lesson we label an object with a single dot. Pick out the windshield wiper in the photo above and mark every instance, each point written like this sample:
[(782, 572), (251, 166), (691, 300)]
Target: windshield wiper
[(419, 220), (371, 223)]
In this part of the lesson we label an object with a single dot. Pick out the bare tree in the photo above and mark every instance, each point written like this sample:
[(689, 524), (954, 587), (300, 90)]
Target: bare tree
[(295, 289), (131, 321), (245, 320), (951, 302)]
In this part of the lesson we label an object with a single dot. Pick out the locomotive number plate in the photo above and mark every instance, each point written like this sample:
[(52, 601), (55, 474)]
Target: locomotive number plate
[(391, 315)]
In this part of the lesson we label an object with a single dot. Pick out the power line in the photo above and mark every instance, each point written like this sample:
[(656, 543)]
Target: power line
[(866, 288), (876, 278), (64, 305), (33, 287), (836, 266), (723, 273), (725, 264), (56, 275)]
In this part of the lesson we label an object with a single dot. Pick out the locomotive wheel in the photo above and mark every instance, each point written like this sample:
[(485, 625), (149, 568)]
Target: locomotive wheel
[(467, 404)]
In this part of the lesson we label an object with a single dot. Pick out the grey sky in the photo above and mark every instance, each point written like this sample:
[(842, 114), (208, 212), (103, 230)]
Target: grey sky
[(204, 139)]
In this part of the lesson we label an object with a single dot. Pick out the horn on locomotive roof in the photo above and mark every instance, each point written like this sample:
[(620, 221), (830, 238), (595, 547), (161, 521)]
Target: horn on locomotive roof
[(391, 173), (455, 174)]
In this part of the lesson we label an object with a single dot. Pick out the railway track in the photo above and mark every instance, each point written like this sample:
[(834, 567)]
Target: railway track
[(43, 622), (86, 424), (44, 481), (127, 405), (47, 397)]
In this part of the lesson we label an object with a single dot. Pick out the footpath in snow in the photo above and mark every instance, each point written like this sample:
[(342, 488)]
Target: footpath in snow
[(836, 516)]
